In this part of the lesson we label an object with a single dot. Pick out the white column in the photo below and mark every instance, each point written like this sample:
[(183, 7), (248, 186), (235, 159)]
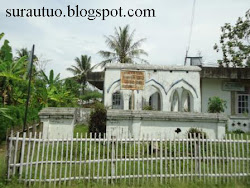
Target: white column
[(126, 101), (138, 100)]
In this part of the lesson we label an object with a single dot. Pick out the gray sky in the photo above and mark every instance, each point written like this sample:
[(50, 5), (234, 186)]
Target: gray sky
[(62, 39)]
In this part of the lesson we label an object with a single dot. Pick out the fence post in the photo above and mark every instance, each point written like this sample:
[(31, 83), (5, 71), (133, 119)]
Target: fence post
[(166, 166), (199, 147), (248, 158), (161, 160), (9, 155), (98, 162), (22, 157), (125, 158), (56, 157), (37, 157), (231, 160), (112, 160), (32, 158), (107, 167), (90, 155), (103, 155), (228, 159)]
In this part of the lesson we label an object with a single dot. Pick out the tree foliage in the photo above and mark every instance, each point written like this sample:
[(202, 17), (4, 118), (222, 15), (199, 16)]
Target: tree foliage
[(81, 68), (235, 43), (47, 90), (123, 48)]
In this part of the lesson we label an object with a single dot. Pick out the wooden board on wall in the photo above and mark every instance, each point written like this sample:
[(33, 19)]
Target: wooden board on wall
[(132, 80)]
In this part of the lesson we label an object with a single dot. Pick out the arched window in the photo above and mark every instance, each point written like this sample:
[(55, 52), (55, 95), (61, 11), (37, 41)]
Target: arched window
[(155, 101), (117, 102), (186, 101), (175, 102), (130, 103)]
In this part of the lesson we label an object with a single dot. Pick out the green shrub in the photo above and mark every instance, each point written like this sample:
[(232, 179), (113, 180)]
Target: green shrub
[(98, 117), (195, 132), (238, 131), (147, 107), (216, 105)]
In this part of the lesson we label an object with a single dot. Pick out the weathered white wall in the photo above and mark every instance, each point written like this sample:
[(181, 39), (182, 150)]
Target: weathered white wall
[(121, 124), (237, 122), (58, 128), (211, 88), (58, 122), (162, 79), (82, 115)]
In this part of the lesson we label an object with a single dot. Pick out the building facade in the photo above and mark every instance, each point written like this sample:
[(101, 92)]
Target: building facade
[(184, 90), (166, 88)]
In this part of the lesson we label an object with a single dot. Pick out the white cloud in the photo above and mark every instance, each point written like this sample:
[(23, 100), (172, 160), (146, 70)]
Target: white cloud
[(63, 39)]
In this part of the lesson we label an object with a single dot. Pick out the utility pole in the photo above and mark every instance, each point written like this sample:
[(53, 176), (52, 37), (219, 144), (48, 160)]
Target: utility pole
[(30, 67)]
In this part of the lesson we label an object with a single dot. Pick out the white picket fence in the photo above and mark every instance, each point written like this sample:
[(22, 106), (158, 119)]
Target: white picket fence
[(35, 160)]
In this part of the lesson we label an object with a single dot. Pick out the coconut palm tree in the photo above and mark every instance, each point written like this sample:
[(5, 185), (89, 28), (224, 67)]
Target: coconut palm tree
[(81, 68), (22, 52), (123, 48)]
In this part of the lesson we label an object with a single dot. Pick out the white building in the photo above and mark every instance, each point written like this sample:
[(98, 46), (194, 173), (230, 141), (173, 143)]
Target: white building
[(166, 88), (232, 85), (172, 89)]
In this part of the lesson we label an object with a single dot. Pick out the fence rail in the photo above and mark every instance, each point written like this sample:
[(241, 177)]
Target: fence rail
[(93, 157)]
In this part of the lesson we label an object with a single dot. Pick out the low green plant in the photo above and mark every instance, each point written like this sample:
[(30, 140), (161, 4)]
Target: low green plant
[(216, 105), (238, 131), (148, 107)]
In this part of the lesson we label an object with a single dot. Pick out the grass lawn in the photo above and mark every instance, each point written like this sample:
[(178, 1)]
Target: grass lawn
[(81, 129)]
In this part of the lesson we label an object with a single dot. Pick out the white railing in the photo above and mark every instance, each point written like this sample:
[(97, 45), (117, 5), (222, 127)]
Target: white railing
[(35, 160)]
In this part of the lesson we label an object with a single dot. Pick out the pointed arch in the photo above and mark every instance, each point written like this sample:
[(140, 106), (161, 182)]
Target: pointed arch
[(186, 85), (114, 83), (156, 84)]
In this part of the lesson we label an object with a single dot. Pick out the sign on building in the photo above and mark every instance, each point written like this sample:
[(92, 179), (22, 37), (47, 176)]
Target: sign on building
[(233, 86), (132, 80)]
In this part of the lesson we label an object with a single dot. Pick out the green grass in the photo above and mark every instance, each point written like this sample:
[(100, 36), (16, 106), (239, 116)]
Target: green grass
[(81, 129), (154, 184)]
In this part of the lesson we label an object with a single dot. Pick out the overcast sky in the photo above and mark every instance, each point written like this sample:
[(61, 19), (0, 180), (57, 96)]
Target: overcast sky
[(60, 40)]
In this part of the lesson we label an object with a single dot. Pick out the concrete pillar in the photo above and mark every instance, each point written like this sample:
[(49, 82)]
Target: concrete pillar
[(138, 100), (180, 90), (136, 128), (126, 101), (58, 122)]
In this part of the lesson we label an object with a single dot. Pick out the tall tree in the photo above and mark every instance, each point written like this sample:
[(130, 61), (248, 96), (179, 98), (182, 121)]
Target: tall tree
[(81, 68), (235, 43), (11, 72), (123, 48)]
